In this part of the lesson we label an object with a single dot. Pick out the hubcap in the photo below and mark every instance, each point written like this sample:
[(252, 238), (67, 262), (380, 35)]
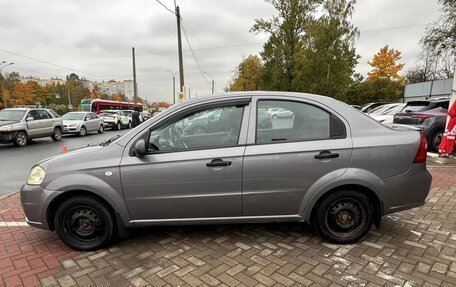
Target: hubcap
[(345, 217), (21, 139)]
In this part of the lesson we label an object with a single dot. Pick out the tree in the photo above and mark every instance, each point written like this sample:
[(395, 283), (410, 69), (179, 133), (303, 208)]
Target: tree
[(374, 90), (73, 77), (441, 35), (385, 65), (248, 75)]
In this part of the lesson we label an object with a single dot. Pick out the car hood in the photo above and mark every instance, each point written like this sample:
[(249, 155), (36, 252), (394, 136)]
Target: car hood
[(68, 122), (4, 123), (71, 154)]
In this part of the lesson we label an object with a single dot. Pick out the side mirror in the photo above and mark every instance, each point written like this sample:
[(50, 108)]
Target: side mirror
[(139, 148), (30, 119), (86, 118)]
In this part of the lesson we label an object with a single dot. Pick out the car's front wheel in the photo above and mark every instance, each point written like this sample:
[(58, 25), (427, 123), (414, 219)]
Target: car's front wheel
[(84, 223), (83, 131), (101, 129), (57, 134), (20, 139), (344, 217)]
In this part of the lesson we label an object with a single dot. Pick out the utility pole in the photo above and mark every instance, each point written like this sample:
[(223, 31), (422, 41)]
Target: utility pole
[(212, 86), (179, 48), (70, 106), (3, 64), (135, 89)]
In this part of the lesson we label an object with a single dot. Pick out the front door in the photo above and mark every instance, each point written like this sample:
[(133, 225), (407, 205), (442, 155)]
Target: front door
[(188, 174), (289, 153), (46, 123), (34, 128)]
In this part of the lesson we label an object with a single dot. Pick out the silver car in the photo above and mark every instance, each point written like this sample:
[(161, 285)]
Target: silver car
[(82, 123), (20, 125), (333, 167)]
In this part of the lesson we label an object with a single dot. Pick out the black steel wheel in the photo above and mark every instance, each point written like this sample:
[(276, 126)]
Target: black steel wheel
[(20, 139), (84, 223), (57, 134), (344, 217)]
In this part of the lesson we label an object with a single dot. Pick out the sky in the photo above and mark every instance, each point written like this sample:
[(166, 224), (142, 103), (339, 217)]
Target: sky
[(53, 38)]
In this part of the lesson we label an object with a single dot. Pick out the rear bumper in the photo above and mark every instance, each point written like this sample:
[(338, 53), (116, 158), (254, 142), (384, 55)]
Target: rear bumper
[(405, 191)]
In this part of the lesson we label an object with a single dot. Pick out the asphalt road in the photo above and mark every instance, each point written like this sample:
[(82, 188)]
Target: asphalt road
[(15, 162)]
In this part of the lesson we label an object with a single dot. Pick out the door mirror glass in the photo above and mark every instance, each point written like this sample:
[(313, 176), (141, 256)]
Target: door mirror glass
[(140, 148), (29, 119)]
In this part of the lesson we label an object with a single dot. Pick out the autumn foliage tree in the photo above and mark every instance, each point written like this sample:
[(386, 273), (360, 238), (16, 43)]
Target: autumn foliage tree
[(247, 76), (385, 65)]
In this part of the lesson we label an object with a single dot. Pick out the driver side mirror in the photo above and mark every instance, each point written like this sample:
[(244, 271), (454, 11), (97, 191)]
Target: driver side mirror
[(139, 148), (30, 119)]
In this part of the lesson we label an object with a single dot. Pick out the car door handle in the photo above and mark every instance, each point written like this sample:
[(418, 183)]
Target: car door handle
[(326, 154), (218, 162)]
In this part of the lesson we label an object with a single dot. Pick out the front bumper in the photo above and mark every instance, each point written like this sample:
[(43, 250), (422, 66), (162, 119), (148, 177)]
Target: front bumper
[(35, 201), (71, 130)]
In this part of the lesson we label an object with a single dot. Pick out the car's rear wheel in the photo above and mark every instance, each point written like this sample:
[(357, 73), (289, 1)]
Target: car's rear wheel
[(101, 129), (129, 125), (83, 131), (344, 217), (275, 117), (57, 134), (84, 223), (436, 140), (20, 139)]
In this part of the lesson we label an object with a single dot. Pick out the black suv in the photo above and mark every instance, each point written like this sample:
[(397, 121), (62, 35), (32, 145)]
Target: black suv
[(407, 116)]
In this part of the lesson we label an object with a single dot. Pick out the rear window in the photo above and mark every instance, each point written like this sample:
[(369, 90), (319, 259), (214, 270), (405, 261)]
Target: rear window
[(416, 106)]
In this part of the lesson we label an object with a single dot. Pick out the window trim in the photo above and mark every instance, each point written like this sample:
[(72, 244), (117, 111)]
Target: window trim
[(331, 117)]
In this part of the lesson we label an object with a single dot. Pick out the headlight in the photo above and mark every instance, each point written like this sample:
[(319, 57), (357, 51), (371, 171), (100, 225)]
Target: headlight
[(6, 128), (36, 175)]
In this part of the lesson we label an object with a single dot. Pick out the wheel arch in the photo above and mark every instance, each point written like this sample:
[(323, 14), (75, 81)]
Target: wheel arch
[(373, 198)]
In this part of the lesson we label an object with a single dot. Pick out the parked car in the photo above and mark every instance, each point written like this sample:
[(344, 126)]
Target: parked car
[(82, 123), (20, 125), (383, 109), (333, 167), (369, 106), (146, 115), (115, 119), (432, 123), (387, 116), (419, 106), (280, 113)]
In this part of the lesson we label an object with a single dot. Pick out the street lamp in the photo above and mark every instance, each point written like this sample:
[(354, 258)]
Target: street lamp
[(174, 85), (3, 64), (212, 81)]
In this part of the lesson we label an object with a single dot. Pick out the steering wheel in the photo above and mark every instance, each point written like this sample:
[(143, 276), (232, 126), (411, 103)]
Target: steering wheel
[(176, 139)]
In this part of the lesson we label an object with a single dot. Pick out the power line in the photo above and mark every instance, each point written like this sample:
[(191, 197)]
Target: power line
[(166, 7), (393, 28), (193, 54)]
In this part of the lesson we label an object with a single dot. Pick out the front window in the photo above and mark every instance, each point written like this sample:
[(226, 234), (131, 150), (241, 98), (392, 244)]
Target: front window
[(73, 116), (211, 128), (11, 115)]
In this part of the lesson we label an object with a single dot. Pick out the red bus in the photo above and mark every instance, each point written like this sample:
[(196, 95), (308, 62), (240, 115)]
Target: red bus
[(97, 105)]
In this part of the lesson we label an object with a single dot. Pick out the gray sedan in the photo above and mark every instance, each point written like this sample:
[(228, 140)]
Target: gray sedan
[(332, 166), (82, 123)]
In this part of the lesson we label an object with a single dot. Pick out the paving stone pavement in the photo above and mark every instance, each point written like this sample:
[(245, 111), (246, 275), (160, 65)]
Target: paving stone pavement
[(411, 248)]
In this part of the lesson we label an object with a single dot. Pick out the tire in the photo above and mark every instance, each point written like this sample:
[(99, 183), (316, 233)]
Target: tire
[(118, 126), (344, 217), (129, 125), (198, 131), (83, 131), (84, 223), (101, 129), (436, 139), (57, 134), (275, 117), (20, 139)]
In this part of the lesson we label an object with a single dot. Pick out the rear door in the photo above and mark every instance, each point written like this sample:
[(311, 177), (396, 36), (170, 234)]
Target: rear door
[(283, 161), (46, 123)]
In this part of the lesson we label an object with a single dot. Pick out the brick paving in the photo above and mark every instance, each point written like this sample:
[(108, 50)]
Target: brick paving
[(411, 248)]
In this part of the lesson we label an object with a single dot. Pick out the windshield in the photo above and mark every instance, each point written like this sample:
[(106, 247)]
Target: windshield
[(393, 110), (73, 116), (11, 115)]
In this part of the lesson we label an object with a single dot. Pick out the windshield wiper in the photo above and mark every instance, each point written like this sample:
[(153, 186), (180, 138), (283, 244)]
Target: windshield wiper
[(109, 141)]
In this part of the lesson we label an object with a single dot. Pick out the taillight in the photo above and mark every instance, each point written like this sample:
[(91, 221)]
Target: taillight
[(421, 154), (422, 117)]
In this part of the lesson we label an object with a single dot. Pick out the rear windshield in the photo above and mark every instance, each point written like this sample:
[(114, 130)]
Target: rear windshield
[(416, 106)]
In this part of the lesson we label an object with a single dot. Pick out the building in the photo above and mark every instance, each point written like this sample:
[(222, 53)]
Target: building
[(42, 82), (428, 90), (112, 87)]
